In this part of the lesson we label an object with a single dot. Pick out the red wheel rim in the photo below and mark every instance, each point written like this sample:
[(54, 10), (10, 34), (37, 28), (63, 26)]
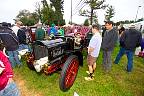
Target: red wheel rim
[(71, 73)]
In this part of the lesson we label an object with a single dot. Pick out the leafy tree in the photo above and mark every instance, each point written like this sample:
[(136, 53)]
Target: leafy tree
[(38, 11), (23, 13), (95, 19), (59, 10), (47, 13), (94, 5), (131, 21), (27, 18), (141, 19), (86, 22), (109, 13), (58, 5), (52, 13)]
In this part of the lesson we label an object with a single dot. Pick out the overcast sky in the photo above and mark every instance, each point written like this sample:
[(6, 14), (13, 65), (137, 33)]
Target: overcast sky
[(125, 9)]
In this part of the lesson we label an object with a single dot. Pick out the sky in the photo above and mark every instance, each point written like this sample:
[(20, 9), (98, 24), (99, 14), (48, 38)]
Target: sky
[(125, 10)]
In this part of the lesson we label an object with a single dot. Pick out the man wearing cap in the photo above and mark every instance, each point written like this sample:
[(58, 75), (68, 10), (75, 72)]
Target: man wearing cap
[(108, 42), (11, 43), (130, 39)]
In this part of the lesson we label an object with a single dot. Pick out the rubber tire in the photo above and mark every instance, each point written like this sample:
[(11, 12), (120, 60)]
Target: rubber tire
[(63, 73)]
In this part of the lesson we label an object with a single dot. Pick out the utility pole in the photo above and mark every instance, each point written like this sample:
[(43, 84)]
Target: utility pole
[(137, 12), (71, 12)]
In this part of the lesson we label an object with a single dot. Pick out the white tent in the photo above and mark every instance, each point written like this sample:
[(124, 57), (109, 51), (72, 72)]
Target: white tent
[(140, 26)]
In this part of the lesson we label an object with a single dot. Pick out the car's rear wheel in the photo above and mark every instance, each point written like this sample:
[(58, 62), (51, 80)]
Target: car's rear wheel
[(69, 73)]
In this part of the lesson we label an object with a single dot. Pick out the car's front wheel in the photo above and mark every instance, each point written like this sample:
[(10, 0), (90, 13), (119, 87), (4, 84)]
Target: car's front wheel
[(69, 72)]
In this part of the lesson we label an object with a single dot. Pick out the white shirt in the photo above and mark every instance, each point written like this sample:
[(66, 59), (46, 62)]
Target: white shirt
[(95, 43), (15, 29)]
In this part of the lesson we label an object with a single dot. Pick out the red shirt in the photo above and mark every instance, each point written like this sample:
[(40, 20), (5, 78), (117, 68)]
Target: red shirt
[(7, 72)]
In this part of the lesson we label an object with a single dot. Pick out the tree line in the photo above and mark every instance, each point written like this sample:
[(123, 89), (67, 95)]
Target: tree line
[(53, 13)]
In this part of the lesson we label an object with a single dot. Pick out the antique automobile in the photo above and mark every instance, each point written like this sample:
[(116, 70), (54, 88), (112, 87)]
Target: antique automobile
[(48, 56)]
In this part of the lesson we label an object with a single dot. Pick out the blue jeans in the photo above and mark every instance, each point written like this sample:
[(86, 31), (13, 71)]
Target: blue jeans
[(24, 46), (129, 54), (13, 57), (107, 62), (10, 90)]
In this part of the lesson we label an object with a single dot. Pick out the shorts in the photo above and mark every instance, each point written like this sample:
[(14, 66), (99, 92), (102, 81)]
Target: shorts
[(91, 60)]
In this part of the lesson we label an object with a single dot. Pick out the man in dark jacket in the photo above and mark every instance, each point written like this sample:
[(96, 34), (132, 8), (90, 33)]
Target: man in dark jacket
[(22, 39), (22, 35), (11, 43), (129, 40), (108, 43)]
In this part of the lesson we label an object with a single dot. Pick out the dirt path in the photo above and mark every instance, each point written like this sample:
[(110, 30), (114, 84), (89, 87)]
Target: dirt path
[(23, 89)]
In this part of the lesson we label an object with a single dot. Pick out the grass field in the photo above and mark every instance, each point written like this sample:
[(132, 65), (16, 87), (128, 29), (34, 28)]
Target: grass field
[(117, 83)]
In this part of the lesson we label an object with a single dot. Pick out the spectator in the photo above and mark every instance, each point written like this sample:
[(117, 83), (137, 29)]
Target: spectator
[(53, 30), (22, 39), (60, 31), (129, 40), (93, 51), (11, 43), (7, 86), (17, 27), (108, 42), (141, 53), (142, 44), (121, 30), (40, 33)]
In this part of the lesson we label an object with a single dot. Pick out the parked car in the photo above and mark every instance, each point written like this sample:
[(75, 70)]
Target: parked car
[(59, 53)]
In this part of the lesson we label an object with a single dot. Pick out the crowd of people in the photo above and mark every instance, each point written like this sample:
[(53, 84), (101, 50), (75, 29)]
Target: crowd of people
[(18, 37), (21, 37), (129, 40), (15, 38)]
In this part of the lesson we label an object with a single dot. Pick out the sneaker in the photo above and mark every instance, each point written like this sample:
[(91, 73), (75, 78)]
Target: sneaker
[(89, 73), (89, 78)]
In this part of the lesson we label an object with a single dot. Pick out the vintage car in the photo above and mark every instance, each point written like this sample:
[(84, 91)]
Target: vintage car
[(58, 53)]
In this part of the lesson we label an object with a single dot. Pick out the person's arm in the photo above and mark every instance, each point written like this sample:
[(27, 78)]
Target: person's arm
[(7, 65), (139, 40), (92, 45), (90, 49)]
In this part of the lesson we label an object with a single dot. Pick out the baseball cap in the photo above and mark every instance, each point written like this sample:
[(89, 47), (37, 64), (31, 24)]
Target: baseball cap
[(132, 26)]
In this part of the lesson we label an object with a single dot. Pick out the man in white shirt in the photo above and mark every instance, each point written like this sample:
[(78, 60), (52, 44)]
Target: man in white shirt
[(17, 27), (93, 51)]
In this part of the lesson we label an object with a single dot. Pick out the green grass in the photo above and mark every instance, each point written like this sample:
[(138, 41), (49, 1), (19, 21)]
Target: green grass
[(117, 83)]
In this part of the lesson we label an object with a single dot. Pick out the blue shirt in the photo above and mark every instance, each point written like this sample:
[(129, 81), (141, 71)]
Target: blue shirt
[(53, 31)]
